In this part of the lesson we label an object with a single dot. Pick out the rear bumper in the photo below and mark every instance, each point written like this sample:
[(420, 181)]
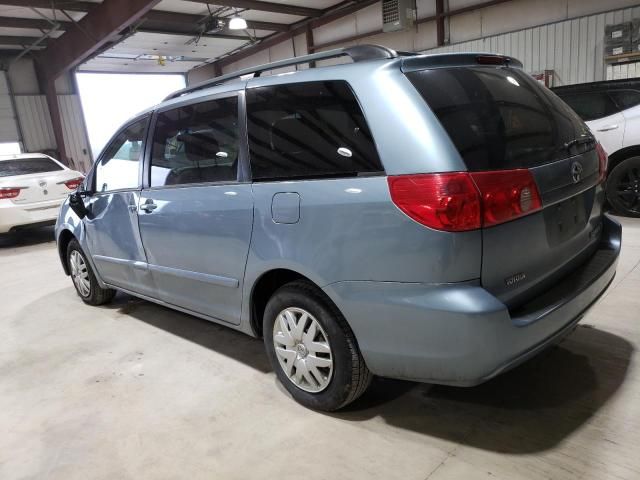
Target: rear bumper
[(460, 334), (16, 216)]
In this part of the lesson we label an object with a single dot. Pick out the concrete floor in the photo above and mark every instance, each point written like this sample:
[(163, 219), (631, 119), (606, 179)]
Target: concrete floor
[(134, 390)]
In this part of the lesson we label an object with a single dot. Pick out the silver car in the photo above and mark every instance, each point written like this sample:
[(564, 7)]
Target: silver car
[(435, 218)]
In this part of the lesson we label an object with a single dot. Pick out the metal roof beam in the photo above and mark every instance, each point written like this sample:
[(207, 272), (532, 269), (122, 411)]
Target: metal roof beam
[(36, 23), (265, 7), (194, 20), (14, 40), (100, 26)]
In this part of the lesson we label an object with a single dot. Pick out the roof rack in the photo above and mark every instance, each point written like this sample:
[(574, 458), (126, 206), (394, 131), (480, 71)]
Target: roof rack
[(357, 53)]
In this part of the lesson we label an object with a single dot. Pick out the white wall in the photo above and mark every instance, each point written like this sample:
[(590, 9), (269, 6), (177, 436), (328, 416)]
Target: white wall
[(561, 35)]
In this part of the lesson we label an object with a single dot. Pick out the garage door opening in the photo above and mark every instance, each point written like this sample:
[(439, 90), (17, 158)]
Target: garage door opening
[(9, 148), (109, 100)]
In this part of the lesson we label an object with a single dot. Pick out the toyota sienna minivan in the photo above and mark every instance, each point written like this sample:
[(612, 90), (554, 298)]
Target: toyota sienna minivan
[(435, 218)]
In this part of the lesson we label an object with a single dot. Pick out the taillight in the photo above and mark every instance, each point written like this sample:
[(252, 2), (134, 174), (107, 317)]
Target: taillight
[(73, 184), (444, 201), (462, 201), (506, 195), (9, 192), (603, 161)]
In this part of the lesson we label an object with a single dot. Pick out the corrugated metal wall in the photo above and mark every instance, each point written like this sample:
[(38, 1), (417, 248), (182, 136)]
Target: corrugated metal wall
[(74, 131), (37, 132), (574, 49), (33, 113), (8, 128)]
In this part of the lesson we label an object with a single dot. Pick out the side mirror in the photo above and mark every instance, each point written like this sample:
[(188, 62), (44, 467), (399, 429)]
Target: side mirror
[(76, 203)]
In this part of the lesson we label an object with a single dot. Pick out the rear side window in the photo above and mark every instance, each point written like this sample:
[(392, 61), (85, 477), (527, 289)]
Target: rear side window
[(27, 166), (308, 130), (625, 98), (196, 144), (500, 118), (591, 105)]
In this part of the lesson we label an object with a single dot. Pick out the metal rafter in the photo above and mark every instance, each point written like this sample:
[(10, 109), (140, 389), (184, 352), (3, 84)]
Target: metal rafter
[(264, 7), (297, 29), (36, 23), (104, 22)]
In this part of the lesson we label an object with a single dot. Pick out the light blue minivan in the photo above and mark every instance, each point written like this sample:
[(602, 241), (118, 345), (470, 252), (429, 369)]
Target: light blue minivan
[(435, 218)]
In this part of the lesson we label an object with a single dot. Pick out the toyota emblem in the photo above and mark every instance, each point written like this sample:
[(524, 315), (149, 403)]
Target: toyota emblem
[(576, 172)]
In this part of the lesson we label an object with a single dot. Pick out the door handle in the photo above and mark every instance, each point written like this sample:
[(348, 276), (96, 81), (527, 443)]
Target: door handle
[(148, 206), (607, 128)]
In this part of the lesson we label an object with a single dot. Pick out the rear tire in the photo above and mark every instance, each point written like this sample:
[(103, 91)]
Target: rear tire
[(317, 361), (623, 187), (84, 280)]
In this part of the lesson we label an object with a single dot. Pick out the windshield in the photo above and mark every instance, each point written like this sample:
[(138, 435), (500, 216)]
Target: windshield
[(500, 117), (27, 166)]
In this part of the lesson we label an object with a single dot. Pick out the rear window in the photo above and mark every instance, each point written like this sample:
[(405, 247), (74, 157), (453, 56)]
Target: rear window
[(27, 166), (500, 118)]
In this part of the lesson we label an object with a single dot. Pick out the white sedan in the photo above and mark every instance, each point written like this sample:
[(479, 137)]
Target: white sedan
[(32, 188)]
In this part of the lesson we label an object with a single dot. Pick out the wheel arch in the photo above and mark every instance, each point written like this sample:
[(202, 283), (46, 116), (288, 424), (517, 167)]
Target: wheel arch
[(619, 156), (266, 285), (64, 238)]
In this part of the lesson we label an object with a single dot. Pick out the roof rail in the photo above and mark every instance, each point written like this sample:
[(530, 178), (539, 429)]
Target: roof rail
[(357, 53)]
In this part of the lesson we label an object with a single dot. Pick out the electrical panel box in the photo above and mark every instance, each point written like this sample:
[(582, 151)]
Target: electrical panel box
[(398, 15)]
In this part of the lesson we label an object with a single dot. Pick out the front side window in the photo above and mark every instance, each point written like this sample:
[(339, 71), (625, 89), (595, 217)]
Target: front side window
[(118, 168), (196, 144), (308, 130), (591, 105)]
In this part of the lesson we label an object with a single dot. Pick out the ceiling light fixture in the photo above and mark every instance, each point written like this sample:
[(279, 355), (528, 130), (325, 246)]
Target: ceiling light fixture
[(237, 23)]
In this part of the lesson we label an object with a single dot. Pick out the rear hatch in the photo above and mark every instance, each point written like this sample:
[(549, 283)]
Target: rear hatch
[(26, 181), (500, 119)]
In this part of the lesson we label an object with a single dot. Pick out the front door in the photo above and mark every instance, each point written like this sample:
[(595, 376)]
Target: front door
[(196, 216), (111, 225)]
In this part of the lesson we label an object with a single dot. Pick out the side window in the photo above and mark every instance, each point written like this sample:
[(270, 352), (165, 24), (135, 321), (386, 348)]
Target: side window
[(118, 167), (625, 98), (307, 130), (592, 105), (196, 144)]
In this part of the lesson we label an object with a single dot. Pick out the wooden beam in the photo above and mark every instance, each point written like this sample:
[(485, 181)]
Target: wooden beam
[(36, 23), (264, 7), (100, 26)]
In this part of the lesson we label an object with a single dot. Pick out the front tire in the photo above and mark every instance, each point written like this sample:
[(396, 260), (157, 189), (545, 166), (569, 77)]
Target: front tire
[(623, 187), (312, 349), (84, 280)]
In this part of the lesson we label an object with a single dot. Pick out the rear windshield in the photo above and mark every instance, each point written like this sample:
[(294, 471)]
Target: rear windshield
[(27, 166), (501, 118)]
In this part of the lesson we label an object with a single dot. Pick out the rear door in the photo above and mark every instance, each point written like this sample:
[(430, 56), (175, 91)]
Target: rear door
[(196, 212), (602, 115), (499, 118), (628, 101)]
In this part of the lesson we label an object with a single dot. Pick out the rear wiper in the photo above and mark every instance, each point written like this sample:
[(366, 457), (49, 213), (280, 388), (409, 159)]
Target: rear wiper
[(578, 141)]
